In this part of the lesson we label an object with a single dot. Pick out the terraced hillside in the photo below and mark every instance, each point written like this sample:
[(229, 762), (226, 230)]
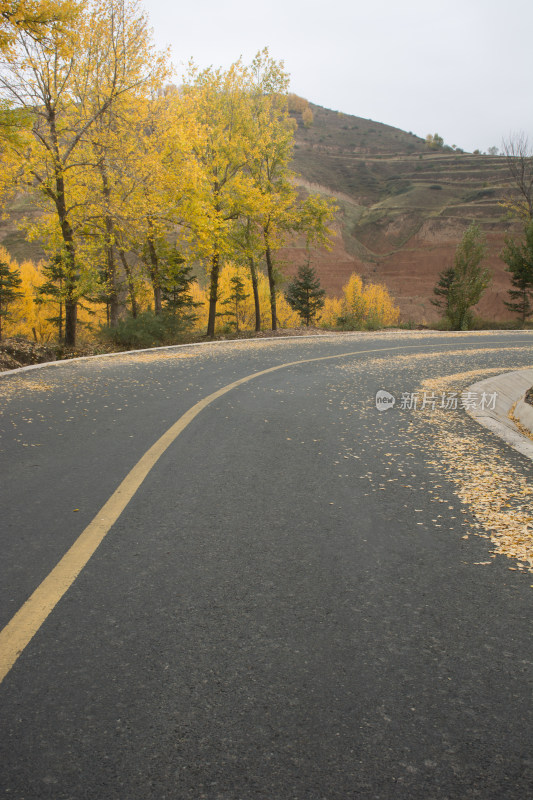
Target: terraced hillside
[(402, 208)]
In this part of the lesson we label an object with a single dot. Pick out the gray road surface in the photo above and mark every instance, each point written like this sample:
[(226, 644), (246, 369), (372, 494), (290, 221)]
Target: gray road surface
[(295, 605)]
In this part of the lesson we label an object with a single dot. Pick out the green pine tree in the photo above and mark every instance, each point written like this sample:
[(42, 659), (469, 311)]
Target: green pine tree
[(175, 279), (519, 259), (442, 289), (461, 286), (304, 294), (52, 290), (234, 301), (10, 282)]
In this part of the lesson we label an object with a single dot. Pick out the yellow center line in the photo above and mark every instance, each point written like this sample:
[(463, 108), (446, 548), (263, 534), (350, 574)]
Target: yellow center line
[(26, 622)]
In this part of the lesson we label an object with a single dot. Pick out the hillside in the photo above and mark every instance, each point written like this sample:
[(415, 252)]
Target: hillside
[(402, 208)]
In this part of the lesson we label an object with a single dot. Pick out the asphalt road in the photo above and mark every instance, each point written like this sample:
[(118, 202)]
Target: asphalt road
[(301, 601)]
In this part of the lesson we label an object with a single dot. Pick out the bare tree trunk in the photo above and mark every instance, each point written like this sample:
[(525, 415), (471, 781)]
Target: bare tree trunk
[(112, 293), (71, 277), (154, 271), (71, 322), (213, 294), (255, 289), (131, 284), (272, 285)]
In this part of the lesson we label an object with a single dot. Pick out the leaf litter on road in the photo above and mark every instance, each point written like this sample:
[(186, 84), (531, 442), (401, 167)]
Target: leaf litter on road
[(495, 490), (498, 495)]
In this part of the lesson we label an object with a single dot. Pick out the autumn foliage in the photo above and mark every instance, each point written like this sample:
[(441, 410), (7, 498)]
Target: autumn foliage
[(362, 306), (146, 197)]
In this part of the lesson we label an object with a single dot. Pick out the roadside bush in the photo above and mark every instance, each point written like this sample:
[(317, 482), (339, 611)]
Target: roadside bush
[(145, 330), (407, 325), (442, 324), (481, 324)]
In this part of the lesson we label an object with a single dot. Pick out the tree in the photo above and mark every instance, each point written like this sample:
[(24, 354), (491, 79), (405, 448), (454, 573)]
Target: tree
[(460, 287), (519, 258), (275, 198), (367, 306), (248, 243), (141, 175), (235, 300), (217, 104), (520, 164), (52, 289), (442, 289), (10, 282), (304, 294), (434, 141), (307, 117), (119, 159), (67, 81), (176, 283), (276, 207)]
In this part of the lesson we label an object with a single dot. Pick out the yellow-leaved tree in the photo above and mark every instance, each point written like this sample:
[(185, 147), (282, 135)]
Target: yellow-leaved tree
[(216, 103), (362, 306), (121, 169), (276, 211), (35, 18), (246, 309), (245, 205), (35, 315), (68, 82)]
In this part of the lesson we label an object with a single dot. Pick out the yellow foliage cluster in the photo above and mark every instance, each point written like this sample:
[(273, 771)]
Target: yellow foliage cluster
[(31, 319), (301, 106), (33, 16), (144, 165), (362, 306), (307, 117), (287, 318), (297, 104), (331, 311)]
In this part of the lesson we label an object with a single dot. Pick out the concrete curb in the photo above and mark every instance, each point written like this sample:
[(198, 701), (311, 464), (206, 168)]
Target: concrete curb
[(524, 414), (510, 389)]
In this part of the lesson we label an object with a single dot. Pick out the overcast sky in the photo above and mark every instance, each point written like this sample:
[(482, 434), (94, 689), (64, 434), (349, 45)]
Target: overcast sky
[(463, 68)]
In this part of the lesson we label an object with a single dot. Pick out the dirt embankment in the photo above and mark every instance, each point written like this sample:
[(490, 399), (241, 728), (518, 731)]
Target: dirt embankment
[(19, 352)]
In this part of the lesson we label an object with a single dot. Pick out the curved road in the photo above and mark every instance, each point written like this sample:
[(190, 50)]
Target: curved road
[(303, 598)]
